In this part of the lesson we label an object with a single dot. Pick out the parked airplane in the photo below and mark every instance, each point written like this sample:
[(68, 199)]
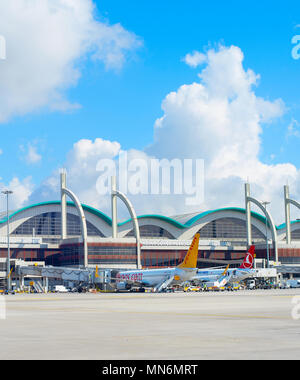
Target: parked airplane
[(161, 278), (221, 280), (232, 274)]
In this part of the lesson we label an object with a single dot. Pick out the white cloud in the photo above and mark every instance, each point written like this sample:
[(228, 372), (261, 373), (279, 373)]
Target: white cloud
[(32, 156), (1, 151), (218, 119), (22, 189), (293, 129), (45, 49), (195, 59), (81, 167)]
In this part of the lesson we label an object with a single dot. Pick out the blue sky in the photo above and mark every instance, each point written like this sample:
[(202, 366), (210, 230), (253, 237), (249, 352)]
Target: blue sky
[(122, 105)]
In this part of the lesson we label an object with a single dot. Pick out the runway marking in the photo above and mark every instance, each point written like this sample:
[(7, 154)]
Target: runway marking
[(166, 313), (129, 296), (204, 315), (79, 299)]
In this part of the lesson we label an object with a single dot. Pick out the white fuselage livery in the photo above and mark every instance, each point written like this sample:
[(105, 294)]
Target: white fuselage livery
[(160, 279), (235, 275), (153, 277)]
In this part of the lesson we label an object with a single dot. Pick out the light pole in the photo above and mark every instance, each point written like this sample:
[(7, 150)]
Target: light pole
[(267, 240), (7, 193)]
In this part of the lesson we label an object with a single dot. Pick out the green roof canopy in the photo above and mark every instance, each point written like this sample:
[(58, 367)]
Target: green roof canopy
[(166, 219)]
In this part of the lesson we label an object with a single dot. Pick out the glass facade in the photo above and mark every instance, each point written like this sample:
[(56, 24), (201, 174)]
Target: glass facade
[(170, 258), (162, 258), (151, 231), (229, 229), (98, 254), (49, 225), (296, 235), (32, 254)]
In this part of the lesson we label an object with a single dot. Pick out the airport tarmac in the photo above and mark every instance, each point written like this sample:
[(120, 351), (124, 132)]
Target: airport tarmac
[(260, 324)]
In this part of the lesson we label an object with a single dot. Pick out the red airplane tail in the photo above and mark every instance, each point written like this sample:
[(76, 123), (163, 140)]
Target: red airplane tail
[(249, 259)]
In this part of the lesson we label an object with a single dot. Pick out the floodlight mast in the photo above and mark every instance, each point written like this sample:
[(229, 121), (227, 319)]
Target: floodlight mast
[(8, 286)]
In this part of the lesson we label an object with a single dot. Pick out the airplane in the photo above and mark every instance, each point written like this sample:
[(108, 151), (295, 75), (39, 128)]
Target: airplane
[(160, 279), (221, 280), (231, 275)]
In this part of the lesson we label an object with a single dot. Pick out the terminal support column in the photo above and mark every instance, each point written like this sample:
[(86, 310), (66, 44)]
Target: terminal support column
[(248, 214), (114, 207), (287, 214), (66, 192), (287, 202), (63, 185), (267, 215), (114, 194)]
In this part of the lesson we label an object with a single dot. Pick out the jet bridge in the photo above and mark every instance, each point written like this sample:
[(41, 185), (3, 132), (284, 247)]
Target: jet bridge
[(86, 275)]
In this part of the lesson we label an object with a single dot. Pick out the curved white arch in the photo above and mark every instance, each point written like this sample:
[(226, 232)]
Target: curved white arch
[(271, 223), (117, 193), (287, 202), (248, 201), (82, 223)]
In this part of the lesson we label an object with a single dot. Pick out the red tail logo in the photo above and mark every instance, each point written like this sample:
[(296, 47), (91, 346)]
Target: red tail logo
[(249, 259)]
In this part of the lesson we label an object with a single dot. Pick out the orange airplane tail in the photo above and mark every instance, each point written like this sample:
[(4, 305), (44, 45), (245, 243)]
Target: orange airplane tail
[(190, 260)]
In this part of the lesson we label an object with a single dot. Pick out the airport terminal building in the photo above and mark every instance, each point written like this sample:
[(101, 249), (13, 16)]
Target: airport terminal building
[(35, 235)]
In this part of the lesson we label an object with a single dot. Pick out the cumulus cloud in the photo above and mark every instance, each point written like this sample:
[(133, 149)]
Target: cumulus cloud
[(81, 166), (22, 189), (44, 51), (219, 119)]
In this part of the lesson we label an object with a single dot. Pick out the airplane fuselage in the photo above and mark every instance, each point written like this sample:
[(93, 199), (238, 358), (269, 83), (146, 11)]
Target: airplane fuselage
[(235, 275), (160, 279), (153, 277)]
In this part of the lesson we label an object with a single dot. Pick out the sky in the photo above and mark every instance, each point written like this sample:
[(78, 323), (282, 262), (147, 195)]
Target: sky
[(83, 80)]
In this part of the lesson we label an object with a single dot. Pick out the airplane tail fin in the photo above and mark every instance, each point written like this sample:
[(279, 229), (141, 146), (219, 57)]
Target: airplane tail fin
[(190, 260), (249, 259)]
